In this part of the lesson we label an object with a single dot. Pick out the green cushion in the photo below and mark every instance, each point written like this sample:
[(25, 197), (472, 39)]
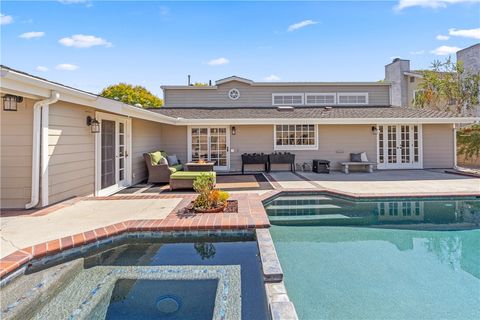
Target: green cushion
[(189, 175), (156, 157), (175, 168)]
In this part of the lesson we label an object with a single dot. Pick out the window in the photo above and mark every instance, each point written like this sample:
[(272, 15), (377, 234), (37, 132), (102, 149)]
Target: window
[(320, 98), (295, 137), (353, 98), (287, 98)]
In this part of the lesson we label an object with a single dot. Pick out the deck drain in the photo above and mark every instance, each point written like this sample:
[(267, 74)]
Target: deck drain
[(168, 304)]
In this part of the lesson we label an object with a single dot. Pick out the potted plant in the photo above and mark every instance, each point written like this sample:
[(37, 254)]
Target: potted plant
[(209, 200)]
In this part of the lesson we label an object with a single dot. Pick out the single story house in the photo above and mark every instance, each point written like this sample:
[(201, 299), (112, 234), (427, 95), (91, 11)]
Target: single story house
[(59, 142)]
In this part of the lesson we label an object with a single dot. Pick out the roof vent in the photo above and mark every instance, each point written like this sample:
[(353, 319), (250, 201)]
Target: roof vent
[(328, 108), (285, 108)]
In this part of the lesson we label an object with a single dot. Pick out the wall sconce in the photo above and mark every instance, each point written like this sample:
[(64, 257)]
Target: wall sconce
[(234, 131), (94, 124), (374, 130), (10, 102)]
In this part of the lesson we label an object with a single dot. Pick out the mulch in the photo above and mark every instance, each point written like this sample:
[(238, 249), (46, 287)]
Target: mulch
[(232, 207)]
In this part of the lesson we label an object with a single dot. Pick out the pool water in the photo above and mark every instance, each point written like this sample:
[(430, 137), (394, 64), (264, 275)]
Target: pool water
[(356, 270), (242, 253)]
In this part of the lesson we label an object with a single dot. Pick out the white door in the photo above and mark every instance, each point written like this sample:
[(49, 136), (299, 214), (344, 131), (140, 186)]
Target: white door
[(400, 146), (210, 144), (112, 158)]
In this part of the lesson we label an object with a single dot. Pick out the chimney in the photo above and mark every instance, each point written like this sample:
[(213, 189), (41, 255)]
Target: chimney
[(394, 73), (189, 83), (210, 83)]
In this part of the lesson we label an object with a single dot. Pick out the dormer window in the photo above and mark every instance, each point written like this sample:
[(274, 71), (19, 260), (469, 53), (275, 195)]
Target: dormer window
[(352, 98), (289, 99), (319, 99)]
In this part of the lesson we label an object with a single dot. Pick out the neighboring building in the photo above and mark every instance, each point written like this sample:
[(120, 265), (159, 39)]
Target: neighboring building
[(471, 58), (49, 153)]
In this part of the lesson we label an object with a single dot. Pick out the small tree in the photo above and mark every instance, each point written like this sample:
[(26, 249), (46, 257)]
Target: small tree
[(448, 87), (132, 95), (468, 142)]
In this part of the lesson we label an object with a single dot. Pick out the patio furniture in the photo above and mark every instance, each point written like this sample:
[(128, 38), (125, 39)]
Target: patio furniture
[(321, 166), (184, 179), (254, 158), (281, 158), (366, 165), (158, 170), (195, 166)]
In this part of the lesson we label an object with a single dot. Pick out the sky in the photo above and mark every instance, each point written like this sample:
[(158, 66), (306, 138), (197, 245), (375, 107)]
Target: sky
[(92, 44)]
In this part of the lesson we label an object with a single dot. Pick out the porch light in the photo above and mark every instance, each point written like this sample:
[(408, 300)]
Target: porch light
[(234, 131), (94, 124), (374, 130), (10, 102)]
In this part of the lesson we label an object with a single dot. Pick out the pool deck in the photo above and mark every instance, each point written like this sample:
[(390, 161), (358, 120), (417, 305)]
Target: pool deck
[(32, 234)]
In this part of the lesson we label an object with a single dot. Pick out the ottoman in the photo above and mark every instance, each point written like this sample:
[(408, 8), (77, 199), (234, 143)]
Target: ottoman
[(184, 179)]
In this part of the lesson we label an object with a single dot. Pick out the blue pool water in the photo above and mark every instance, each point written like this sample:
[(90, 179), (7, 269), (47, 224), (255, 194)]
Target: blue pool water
[(348, 260)]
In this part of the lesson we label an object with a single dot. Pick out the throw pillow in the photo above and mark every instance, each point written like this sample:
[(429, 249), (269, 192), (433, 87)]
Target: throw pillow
[(155, 156), (163, 161), (363, 156), (355, 157), (172, 160)]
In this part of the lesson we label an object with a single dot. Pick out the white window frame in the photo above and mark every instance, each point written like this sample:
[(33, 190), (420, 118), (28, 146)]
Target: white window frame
[(289, 147), (301, 94), (334, 94), (349, 94)]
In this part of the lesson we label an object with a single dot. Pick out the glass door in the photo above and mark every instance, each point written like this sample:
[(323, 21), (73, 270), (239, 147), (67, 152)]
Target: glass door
[(399, 147), (210, 144)]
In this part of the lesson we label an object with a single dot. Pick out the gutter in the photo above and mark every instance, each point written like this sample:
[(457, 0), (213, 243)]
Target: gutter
[(40, 148)]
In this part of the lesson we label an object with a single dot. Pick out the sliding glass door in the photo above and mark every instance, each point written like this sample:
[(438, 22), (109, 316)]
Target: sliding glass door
[(210, 144)]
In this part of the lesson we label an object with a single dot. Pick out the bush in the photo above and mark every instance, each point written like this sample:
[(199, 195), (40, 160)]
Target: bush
[(468, 142), (208, 197)]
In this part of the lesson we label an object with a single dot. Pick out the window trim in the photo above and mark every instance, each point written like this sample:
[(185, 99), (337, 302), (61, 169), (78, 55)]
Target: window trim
[(301, 94), (289, 147), (334, 94), (349, 94)]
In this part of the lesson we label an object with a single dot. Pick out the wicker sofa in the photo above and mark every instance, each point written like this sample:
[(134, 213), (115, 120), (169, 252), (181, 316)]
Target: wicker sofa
[(160, 173)]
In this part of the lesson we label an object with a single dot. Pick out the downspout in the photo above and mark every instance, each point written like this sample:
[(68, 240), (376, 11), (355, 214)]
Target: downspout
[(40, 148)]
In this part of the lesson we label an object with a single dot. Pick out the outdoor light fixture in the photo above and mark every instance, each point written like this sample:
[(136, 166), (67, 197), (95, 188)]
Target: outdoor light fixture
[(374, 130), (234, 131), (94, 124), (10, 102)]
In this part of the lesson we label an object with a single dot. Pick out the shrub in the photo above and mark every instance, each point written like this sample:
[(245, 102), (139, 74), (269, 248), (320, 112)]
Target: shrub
[(208, 198)]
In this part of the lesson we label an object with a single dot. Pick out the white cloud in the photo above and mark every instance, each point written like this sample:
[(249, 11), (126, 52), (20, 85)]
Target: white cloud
[(272, 77), (66, 67), (4, 19), (218, 62), (466, 33), (41, 69), (434, 4), (301, 24), (419, 52), (442, 37), (445, 50), (84, 41), (32, 34)]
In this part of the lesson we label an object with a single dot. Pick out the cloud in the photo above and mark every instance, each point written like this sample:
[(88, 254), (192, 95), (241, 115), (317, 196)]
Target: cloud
[(32, 35), (164, 11), (466, 33), (41, 69), (66, 67), (4, 19), (434, 4), (218, 62), (272, 77), (419, 52), (301, 24), (442, 37), (84, 41), (445, 50)]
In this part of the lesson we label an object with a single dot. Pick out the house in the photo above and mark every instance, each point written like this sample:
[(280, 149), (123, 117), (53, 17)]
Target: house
[(59, 142)]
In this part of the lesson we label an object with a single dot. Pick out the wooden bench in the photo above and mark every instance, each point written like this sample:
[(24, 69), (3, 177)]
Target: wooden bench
[(366, 165)]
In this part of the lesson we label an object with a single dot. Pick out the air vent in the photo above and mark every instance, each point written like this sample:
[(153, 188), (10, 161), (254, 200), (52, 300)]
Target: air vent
[(285, 108)]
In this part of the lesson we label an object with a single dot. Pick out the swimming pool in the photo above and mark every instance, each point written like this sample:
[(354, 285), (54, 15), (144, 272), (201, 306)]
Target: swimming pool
[(346, 259)]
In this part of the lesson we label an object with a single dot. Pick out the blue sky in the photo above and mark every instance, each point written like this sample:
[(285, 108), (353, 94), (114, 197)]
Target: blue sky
[(91, 44)]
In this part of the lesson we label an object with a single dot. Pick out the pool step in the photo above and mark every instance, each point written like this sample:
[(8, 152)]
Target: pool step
[(302, 206), (309, 217), (297, 198)]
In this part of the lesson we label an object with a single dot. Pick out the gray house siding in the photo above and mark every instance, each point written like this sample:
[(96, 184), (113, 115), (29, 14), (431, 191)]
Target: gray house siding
[(261, 96)]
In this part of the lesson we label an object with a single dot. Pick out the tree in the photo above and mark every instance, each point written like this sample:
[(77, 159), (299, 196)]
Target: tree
[(200, 84), (468, 141), (132, 95), (448, 87)]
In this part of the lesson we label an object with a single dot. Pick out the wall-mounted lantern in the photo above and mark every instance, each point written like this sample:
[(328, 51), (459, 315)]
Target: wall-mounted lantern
[(234, 131), (374, 130), (10, 102), (94, 124)]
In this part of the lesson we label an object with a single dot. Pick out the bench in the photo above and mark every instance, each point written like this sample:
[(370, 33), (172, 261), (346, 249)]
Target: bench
[(366, 165), (184, 179)]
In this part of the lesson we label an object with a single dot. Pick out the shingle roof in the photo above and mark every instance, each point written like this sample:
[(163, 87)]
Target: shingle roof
[(302, 113)]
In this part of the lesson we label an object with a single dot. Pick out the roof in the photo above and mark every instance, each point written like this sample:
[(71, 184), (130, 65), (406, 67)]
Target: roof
[(315, 114)]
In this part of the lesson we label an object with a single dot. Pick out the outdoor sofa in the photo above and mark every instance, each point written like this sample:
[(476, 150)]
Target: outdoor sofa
[(159, 170)]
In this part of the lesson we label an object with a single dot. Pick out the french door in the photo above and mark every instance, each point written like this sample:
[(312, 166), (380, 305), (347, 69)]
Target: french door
[(210, 144), (112, 157), (400, 146)]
